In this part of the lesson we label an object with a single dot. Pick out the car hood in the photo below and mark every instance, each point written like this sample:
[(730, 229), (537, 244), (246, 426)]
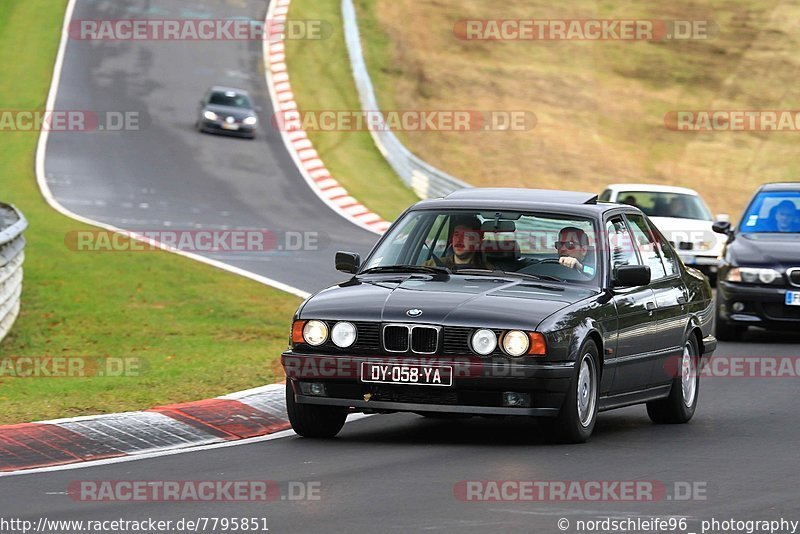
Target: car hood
[(455, 300), (229, 111), (762, 249), (691, 230)]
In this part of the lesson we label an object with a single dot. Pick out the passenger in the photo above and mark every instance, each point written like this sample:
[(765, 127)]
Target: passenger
[(466, 246), (630, 200), (678, 207), (573, 249)]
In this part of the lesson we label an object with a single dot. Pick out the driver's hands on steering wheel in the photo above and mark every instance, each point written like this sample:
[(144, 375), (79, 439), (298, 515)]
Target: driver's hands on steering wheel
[(570, 262)]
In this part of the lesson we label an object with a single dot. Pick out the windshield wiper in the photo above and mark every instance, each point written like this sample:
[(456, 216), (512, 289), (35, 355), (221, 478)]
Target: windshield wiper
[(545, 277), (407, 269)]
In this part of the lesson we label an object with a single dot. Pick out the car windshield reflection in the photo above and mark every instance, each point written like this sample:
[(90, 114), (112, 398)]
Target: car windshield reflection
[(539, 246)]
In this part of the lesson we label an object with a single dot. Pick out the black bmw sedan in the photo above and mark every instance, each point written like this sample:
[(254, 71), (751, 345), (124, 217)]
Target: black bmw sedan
[(504, 302), (759, 277), (228, 111)]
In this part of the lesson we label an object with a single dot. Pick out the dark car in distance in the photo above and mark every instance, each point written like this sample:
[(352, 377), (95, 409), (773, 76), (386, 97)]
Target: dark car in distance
[(759, 276), (227, 110), (504, 302)]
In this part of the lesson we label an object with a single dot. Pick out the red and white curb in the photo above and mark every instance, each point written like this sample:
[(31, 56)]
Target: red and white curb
[(300, 147), (246, 414)]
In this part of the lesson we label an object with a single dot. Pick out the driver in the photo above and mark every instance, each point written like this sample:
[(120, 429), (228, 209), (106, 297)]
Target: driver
[(784, 216), (466, 251), (573, 247)]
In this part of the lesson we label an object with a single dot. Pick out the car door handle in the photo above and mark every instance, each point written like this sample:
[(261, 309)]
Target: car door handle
[(650, 305)]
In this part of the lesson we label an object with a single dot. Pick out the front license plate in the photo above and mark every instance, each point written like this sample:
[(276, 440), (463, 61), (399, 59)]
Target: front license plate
[(415, 375), (793, 298), (230, 126)]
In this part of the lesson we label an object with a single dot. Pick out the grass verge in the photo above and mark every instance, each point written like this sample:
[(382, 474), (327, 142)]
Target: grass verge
[(322, 80), (601, 105), (192, 331)]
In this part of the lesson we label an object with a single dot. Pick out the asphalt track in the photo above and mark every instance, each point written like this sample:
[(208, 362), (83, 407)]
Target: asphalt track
[(167, 176), (391, 473)]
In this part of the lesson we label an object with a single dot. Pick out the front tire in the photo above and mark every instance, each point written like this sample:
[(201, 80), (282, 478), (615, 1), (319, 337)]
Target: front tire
[(679, 407), (312, 420), (575, 421)]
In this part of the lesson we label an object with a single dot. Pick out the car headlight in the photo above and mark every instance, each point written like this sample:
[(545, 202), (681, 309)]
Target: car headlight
[(343, 334), (484, 342), (752, 275), (703, 245), (250, 121), (516, 343), (210, 115), (315, 333)]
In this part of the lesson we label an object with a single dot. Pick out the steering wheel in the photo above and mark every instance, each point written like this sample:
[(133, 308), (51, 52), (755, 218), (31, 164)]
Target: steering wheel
[(550, 260)]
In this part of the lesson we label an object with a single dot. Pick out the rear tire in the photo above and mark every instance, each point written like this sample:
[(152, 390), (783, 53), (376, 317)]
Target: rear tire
[(312, 420), (679, 407), (576, 419)]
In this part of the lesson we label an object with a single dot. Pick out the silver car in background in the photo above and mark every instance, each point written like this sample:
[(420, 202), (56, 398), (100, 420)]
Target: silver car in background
[(227, 110), (682, 217)]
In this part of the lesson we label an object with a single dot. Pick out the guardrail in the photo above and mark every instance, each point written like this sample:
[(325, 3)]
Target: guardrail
[(424, 179), (12, 254)]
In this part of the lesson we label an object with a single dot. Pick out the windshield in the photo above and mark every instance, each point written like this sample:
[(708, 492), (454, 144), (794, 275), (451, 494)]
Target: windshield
[(677, 205), (551, 247), (773, 212), (230, 99)]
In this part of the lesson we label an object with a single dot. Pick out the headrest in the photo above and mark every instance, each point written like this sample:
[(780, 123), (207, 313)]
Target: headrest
[(501, 248)]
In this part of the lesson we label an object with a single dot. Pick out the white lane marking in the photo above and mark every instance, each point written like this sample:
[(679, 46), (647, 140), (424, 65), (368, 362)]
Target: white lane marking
[(169, 452), (254, 391)]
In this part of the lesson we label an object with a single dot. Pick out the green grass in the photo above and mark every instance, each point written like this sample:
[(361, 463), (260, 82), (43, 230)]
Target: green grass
[(199, 332), (322, 80), (600, 105)]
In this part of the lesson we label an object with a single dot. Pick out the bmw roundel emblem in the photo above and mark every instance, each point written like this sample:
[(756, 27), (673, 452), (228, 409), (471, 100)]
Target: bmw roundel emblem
[(416, 312)]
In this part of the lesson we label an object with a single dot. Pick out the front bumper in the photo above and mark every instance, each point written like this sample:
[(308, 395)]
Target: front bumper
[(477, 388), (705, 263), (763, 306), (240, 129)]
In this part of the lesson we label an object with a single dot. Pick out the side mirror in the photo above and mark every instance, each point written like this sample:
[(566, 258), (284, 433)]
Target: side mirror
[(631, 275), (348, 262), (722, 227)]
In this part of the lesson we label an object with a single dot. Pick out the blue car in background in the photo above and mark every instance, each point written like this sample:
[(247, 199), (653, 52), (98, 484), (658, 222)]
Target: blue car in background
[(759, 276)]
